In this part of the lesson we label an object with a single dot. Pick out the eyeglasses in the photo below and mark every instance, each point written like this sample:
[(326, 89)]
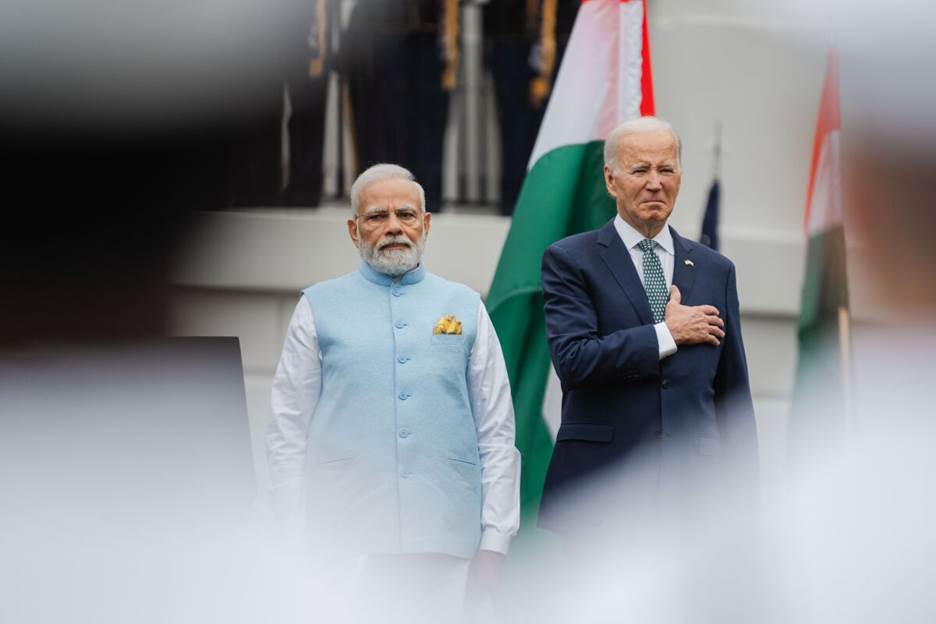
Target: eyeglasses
[(377, 218)]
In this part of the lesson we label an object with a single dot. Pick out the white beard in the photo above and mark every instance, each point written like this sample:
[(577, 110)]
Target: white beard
[(393, 262)]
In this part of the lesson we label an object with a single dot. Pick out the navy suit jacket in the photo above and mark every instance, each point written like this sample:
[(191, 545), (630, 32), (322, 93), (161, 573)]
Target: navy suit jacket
[(620, 401)]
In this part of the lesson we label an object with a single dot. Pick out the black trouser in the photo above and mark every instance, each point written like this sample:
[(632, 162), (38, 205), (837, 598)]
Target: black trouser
[(306, 130), (509, 61), (254, 144), (399, 107), (519, 121)]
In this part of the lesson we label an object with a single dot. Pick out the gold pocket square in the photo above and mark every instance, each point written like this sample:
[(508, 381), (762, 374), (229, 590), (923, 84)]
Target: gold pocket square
[(448, 324)]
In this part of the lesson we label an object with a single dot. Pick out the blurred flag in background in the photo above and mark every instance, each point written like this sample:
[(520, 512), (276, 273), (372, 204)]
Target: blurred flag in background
[(821, 393)]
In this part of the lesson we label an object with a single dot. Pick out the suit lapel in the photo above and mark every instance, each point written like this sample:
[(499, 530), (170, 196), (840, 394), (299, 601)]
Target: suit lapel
[(618, 259), (684, 270)]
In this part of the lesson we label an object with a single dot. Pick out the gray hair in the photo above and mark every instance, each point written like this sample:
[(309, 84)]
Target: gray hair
[(637, 126), (377, 173)]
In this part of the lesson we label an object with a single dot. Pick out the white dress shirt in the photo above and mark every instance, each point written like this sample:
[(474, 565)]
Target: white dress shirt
[(664, 239), (297, 387)]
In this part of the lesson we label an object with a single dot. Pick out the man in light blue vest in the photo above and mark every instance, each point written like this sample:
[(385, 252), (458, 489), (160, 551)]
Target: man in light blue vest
[(393, 427)]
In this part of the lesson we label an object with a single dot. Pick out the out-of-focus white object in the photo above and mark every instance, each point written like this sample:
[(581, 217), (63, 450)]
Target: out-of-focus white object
[(127, 484)]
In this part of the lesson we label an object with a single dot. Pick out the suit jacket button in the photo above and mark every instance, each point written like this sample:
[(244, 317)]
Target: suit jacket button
[(664, 384)]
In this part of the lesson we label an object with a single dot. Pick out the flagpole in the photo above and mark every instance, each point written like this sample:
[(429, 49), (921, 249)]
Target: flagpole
[(718, 150), (709, 233), (845, 358)]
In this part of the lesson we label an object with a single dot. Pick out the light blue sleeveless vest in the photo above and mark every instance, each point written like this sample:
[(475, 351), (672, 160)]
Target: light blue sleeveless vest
[(392, 454)]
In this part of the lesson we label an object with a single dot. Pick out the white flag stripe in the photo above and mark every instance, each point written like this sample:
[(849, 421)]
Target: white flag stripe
[(630, 62), (584, 83), (825, 209)]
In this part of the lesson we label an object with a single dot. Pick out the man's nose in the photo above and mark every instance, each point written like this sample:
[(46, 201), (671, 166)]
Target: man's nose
[(654, 181), (394, 226)]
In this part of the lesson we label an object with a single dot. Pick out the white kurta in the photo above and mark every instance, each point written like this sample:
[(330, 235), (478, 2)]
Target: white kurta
[(296, 390)]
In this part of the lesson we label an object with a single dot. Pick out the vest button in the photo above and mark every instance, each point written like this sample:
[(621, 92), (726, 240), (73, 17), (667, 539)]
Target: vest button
[(404, 433), (396, 293), (406, 475), (400, 325), (403, 396), (402, 359)]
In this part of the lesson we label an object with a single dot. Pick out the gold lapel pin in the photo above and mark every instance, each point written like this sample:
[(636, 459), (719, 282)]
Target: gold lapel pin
[(689, 262)]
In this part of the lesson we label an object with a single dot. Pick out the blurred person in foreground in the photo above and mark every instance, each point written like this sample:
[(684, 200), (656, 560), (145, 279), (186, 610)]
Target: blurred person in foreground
[(644, 331), (125, 459), (393, 427)]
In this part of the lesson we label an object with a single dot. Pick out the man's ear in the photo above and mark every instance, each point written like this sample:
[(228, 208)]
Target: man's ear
[(427, 221), (353, 232), (609, 181)]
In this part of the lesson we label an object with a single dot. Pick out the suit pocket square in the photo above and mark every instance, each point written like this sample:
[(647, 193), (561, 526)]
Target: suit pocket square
[(448, 325)]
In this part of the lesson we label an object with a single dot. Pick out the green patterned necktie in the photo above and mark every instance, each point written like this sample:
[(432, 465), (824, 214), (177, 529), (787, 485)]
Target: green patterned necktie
[(654, 281)]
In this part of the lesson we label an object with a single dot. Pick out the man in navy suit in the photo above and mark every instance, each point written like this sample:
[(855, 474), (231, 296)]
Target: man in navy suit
[(644, 331)]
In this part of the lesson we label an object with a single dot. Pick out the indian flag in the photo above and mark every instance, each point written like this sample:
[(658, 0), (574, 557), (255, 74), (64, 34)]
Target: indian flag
[(822, 391), (604, 79)]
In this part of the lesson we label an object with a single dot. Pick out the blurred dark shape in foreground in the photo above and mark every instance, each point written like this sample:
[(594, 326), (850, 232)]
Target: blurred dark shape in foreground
[(93, 218), (124, 455), (117, 122)]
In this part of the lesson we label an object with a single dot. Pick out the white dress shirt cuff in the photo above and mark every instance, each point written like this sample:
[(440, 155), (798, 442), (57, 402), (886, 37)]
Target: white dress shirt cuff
[(665, 340), (492, 539)]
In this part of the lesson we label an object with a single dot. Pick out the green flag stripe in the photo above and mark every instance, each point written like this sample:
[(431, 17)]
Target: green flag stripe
[(563, 194), (818, 416), (825, 285)]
